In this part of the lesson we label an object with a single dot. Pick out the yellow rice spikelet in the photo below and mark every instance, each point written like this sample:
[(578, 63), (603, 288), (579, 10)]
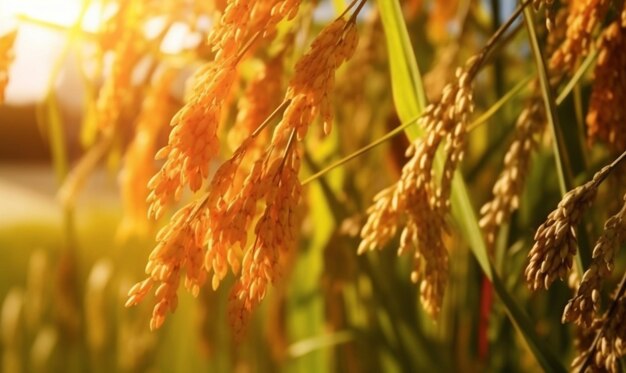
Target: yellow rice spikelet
[(552, 254), (261, 96), (418, 200), (607, 348), (314, 76), (193, 141), (278, 183), (509, 186), (606, 117), (139, 159), (177, 252), (127, 51), (244, 18), (222, 218), (582, 307), (584, 16)]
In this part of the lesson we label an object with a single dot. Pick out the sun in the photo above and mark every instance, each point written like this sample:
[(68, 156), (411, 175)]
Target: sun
[(61, 13)]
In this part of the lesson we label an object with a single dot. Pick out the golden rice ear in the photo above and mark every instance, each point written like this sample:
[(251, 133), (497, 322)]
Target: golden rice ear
[(608, 331), (583, 18), (421, 200), (6, 58), (277, 182), (128, 49), (582, 307), (193, 142), (510, 184), (555, 244), (222, 218), (609, 90), (262, 94), (139, 157)]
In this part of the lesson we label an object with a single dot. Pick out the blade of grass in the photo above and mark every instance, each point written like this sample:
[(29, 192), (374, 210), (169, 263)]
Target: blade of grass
[(406, 76), (560, 152), (462, 208), (311, 344)]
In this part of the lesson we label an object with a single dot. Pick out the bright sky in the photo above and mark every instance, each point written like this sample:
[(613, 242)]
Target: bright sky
[(37, 47)]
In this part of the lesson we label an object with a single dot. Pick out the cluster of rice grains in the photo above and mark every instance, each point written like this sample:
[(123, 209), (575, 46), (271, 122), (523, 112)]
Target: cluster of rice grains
[(138, 167), (6, 57), (609, 88), (124, 37), (529, 127), (420, 201), (258, 187), (552, 257), (555, 245), (509, 186)]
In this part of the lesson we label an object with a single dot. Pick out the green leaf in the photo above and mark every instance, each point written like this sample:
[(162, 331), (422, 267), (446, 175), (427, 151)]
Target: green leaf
[(405, 73), (561, 156), (409, 99)]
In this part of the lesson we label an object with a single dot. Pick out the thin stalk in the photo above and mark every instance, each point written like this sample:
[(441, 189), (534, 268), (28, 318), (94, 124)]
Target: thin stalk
[(560, 151), (472, 126), (484, 117), (270, 117), (495, 38), (359, 152), (580, 72)]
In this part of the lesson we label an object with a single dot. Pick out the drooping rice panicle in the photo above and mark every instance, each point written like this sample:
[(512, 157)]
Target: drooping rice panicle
[(552, 254), (609, 89), (586, 302), (156, 110)]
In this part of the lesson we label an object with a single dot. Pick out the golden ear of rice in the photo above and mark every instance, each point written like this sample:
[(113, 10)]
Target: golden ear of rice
[(193, 141), (552, 255), (139, 158), (261, 96), (421, 201), (509, 186), (128, 48), (582, 307), (277, 182), (607, 348), (583, 18), (244, 18), (209, 236), (609, 90), (177, 252)]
